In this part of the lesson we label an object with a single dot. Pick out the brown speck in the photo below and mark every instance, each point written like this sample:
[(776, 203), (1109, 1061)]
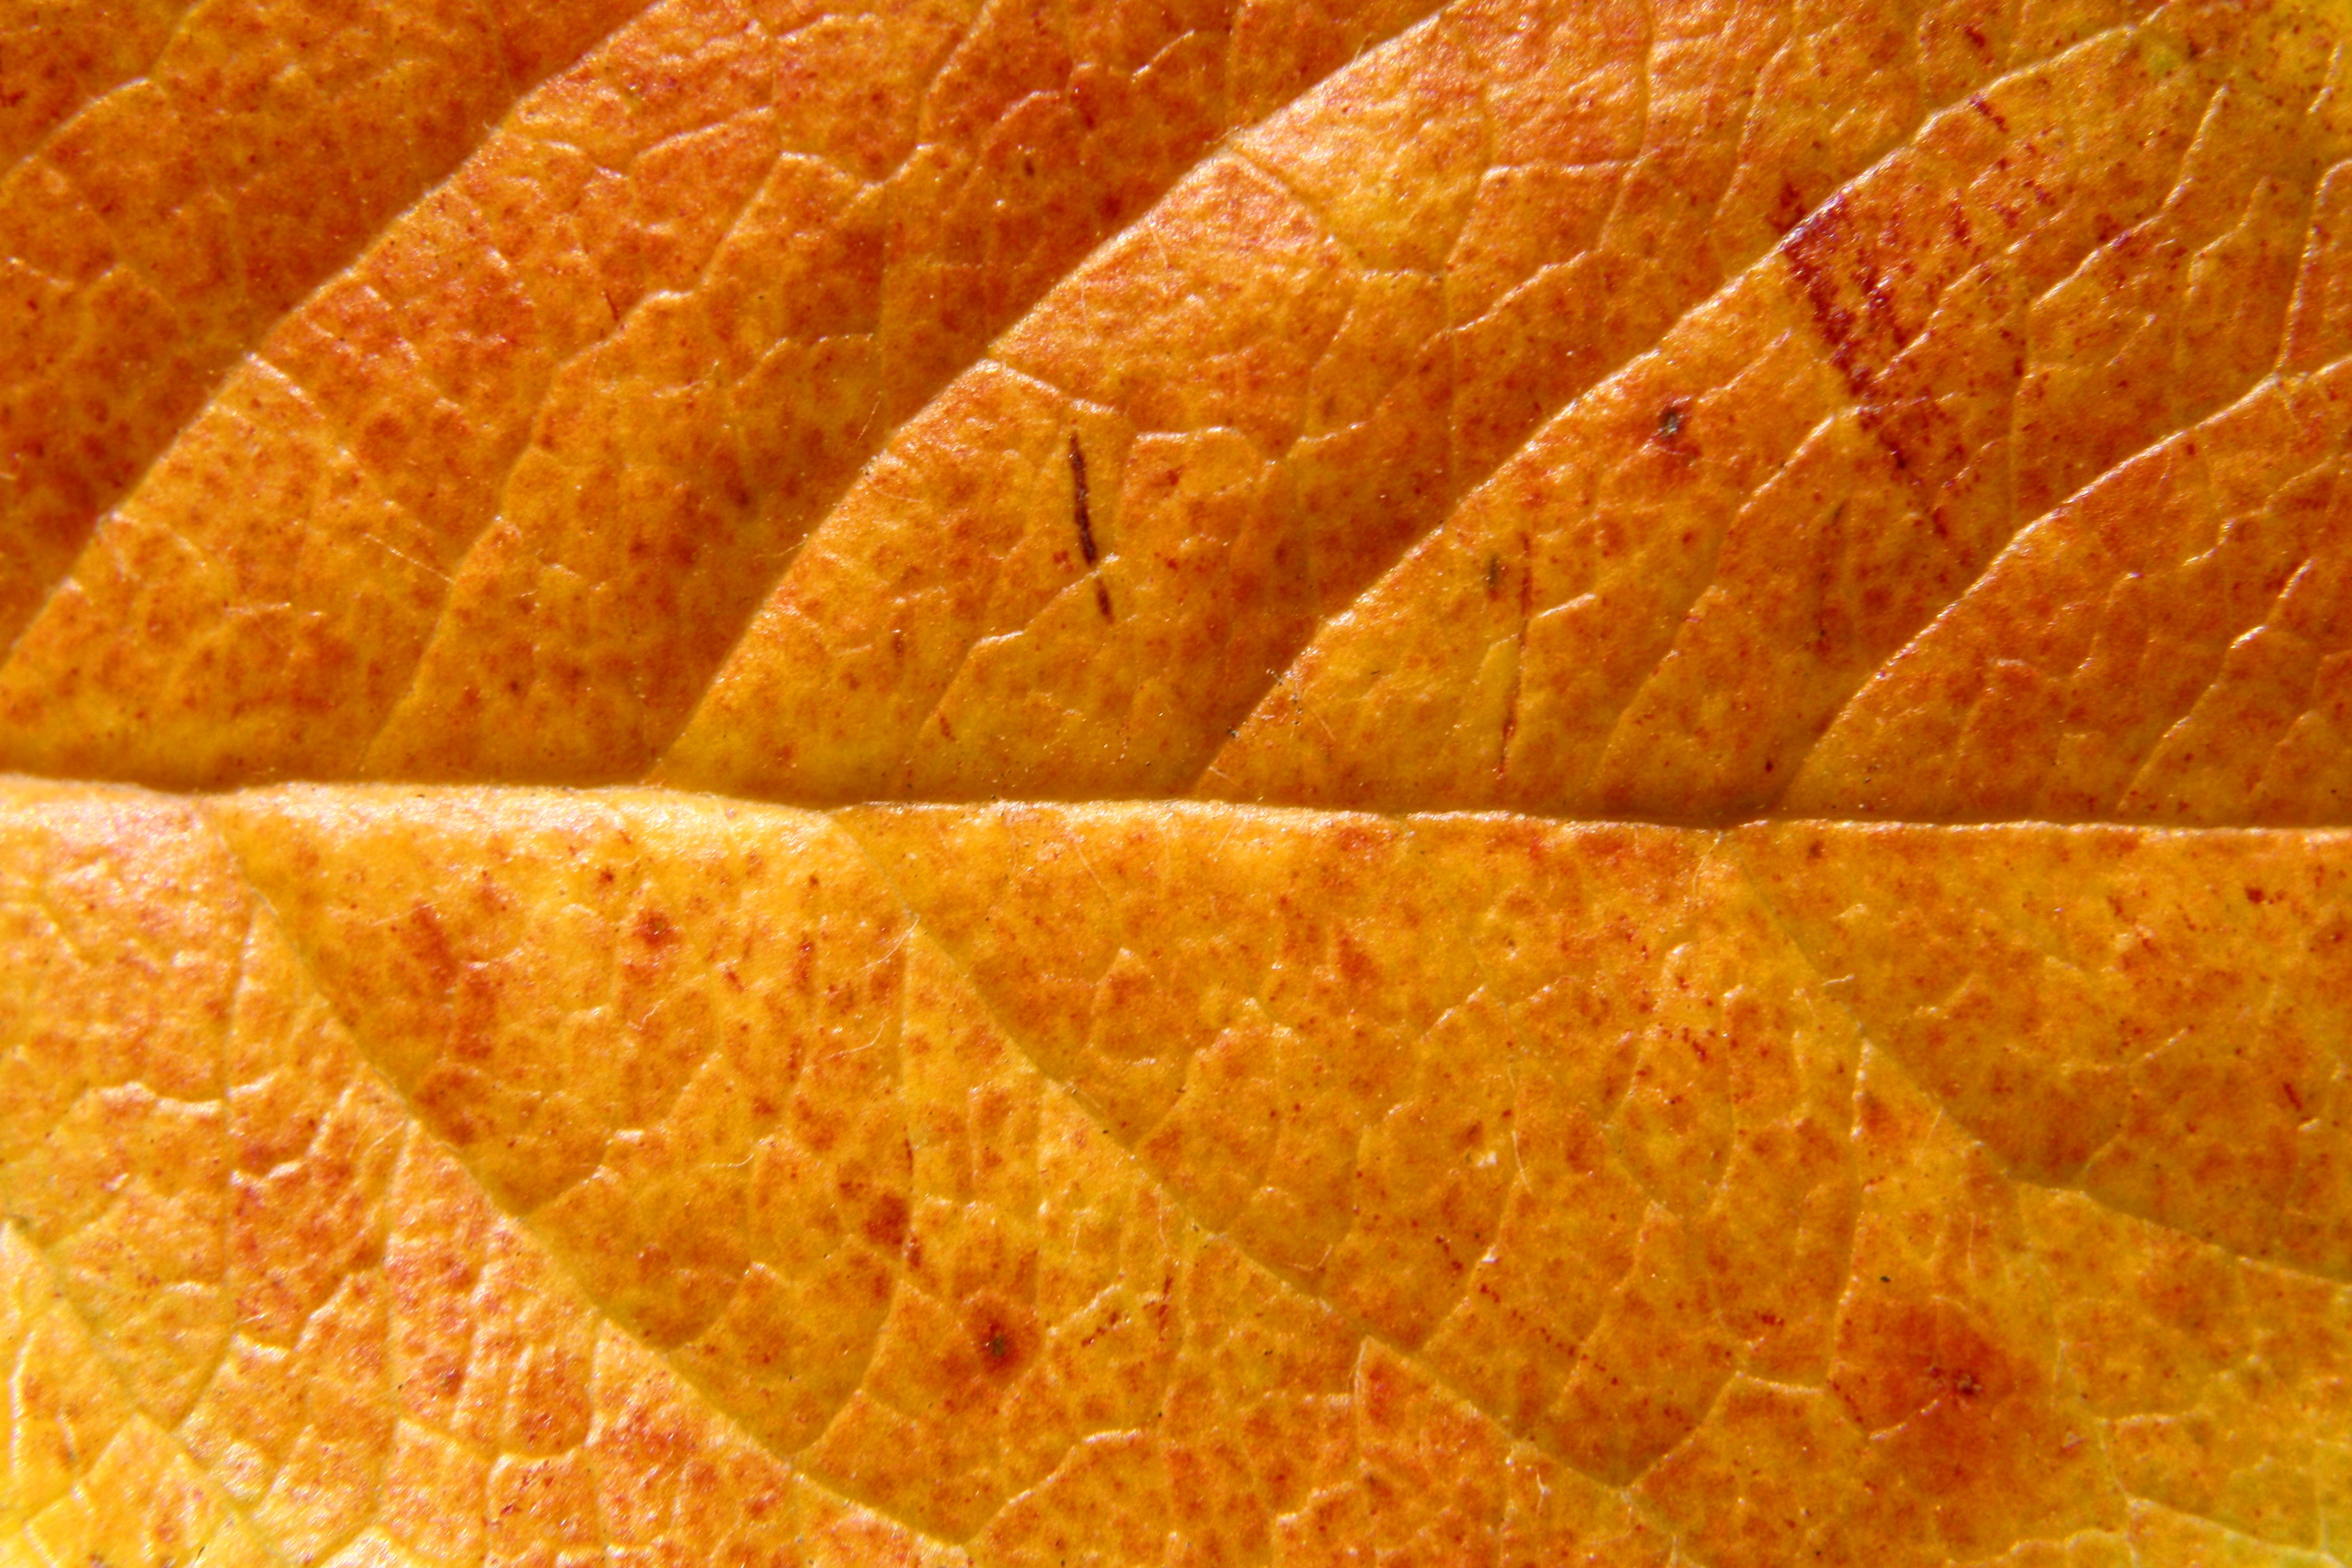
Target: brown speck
[(1788, 208), (886, 1222), (1078, 512), (1083, 517), (1670, 421)]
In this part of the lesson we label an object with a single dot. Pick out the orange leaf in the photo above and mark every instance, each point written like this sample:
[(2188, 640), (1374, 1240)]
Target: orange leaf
[(1196, 781)]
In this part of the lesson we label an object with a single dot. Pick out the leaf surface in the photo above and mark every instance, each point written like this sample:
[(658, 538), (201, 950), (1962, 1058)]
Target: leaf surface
[(173, 178), (1207, 783)]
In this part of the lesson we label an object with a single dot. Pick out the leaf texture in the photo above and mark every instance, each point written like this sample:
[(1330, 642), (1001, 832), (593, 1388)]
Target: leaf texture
[(224, 157), (1177, 782), (697, 278), (1462, 418), (1000, 1176)]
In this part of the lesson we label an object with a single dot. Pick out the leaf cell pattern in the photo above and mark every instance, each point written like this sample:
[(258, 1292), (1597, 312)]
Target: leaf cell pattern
[(1179, 782)]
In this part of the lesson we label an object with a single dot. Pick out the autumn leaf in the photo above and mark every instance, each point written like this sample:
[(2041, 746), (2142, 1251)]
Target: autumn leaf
[(1243, 781), (177, 176)]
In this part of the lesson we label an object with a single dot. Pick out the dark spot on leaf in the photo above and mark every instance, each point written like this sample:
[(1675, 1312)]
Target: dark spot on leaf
[(886, 1222), (1082, 515), (1078, 510), (1000, 1345), (1787, 207)]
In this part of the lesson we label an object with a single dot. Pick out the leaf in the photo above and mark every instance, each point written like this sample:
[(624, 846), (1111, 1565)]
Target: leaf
[(702, 235), (1012, 1173), (1516, 782), (175, 177)]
